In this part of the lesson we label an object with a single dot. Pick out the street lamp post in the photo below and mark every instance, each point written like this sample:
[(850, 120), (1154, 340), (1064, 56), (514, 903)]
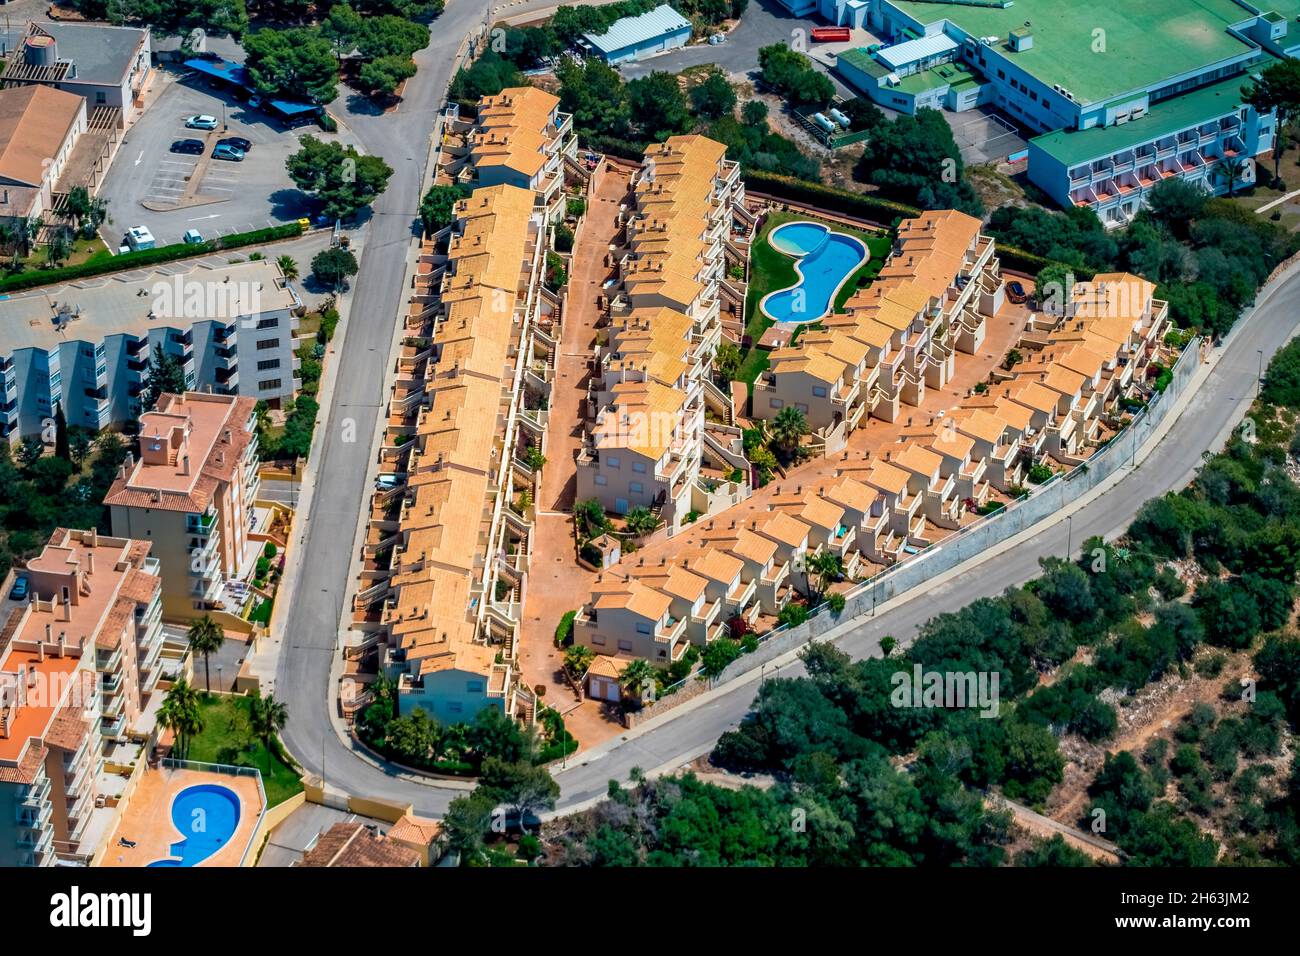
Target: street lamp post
[(1259, 378), (1069, 536)]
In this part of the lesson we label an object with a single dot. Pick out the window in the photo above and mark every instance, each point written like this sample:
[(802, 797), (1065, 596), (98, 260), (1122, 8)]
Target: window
[(776, 403), (268, 323), (454, 707), (601, 480), (819, 391), (268, 384), (611, 461), (636, 488), (641, 628), (625, 645), (802, 407), (474, 687), (1047, 104), (598, 640), (1002, 75), (267, 364), (638, 467), (264, 344), (100, 98)]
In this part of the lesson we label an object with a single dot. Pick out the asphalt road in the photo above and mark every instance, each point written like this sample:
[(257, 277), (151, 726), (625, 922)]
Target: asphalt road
[(342, 451)]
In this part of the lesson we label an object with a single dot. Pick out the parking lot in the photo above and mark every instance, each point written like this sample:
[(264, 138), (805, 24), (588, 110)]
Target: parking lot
[(169, 193), (984, 136)]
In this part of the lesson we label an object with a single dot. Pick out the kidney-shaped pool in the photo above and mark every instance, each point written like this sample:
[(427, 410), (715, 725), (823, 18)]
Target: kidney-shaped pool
[(824, 260), (206, 815)]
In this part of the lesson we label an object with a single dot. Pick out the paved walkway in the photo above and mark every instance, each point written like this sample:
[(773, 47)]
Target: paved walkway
[(556, 583)]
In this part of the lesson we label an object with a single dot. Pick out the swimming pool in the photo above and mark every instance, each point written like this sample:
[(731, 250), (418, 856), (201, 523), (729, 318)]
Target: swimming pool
[(824, 261), (207, 815)]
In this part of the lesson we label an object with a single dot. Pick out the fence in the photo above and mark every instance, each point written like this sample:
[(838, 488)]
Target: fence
[(174, 763), (978, 538)]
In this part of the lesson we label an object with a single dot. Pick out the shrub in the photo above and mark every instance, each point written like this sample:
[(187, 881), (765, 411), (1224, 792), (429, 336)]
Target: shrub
[(564, 630)]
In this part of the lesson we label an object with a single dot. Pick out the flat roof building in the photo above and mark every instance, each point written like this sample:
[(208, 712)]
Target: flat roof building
[(1117, 118), (107, 65), (89, 346), (77, 666), (191, 495)]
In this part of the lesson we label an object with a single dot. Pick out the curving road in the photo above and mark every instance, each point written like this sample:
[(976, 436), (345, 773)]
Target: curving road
[(318, 600)]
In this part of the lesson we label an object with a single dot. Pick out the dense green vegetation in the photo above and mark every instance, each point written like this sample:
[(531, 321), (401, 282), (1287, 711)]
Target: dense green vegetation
[(418, 740), (1206, 256), (914, 159), (39, 494)]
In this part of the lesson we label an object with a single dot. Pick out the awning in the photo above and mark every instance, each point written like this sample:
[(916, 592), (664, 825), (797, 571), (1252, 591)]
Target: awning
[(236, 75)]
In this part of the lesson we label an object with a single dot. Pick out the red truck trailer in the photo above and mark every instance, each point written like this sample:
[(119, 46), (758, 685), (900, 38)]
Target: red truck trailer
[(831, 34)]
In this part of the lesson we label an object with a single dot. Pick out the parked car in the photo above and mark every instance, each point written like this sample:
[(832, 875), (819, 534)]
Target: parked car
[(139, 237), (201, 121), (192, 146), (385, 482), (1016, 293), (241, 144), (192, 237), (228, 152), (19, 590)]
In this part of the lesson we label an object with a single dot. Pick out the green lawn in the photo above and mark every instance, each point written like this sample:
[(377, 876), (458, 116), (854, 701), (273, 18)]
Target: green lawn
[(770, 270), (228, 739)]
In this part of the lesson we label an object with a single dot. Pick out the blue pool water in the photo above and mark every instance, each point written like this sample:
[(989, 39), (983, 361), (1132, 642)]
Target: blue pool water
[(206, 814), (824, 259)]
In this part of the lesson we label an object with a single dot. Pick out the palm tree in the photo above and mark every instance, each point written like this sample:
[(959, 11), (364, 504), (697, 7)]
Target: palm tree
[(636, 676), (640, 522), (577, 658), (267, 717), (205, 636), (85, 211), (29, 230), (787, 428), (180, 713), (9, 238), (1231, 169), (826, 566), (288, 267), (57, 247), (589, 517)]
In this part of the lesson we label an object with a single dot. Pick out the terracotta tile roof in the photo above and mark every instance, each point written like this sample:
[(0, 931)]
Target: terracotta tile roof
[(352, 844), (34, 124)]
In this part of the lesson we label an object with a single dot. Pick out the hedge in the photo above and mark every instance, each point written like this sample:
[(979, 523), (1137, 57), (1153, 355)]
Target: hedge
[(564, 630), (102, 264), (1013, 257), (863, 205), (614, 146)]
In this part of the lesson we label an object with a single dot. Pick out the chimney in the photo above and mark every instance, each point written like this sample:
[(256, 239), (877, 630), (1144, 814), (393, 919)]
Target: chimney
[(94, 537), (63, 644), (48, 633), (185, 464), (40, 651), (90, 563)]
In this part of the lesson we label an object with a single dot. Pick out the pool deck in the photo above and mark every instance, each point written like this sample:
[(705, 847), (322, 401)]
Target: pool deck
[(147, 819)]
